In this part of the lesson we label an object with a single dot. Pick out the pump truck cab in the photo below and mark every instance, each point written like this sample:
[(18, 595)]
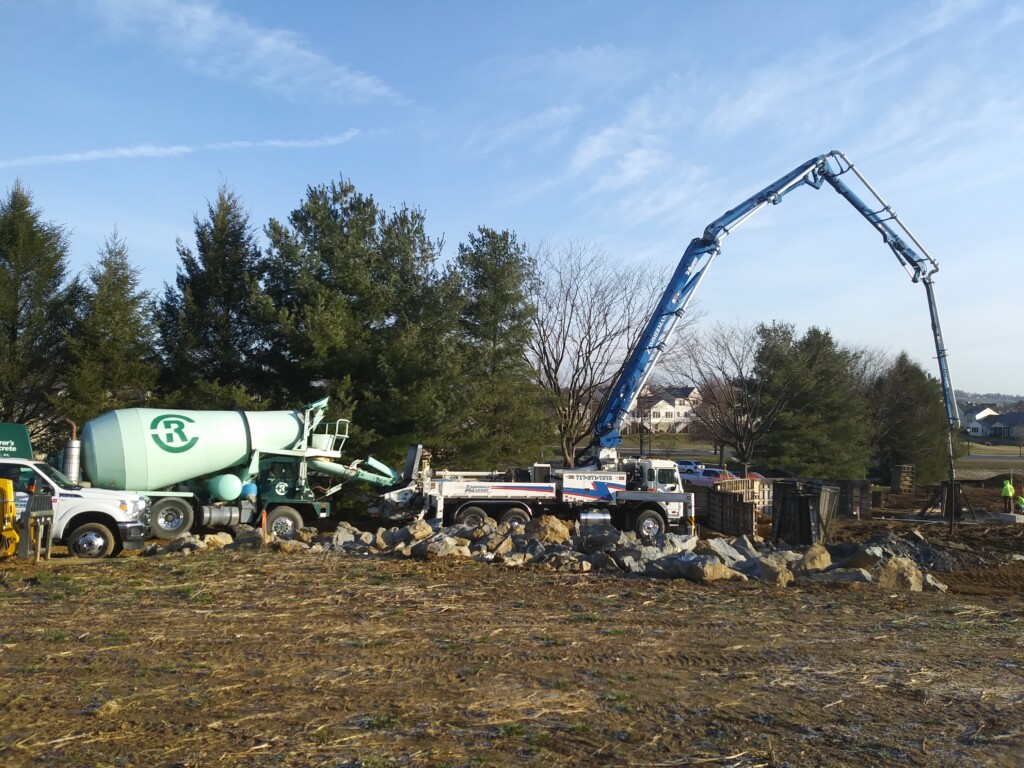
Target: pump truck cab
[(91, 522), (223, 468), (642, 495)]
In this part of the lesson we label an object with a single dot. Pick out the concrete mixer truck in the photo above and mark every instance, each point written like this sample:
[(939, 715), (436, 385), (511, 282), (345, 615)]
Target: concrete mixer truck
[(223, 468)]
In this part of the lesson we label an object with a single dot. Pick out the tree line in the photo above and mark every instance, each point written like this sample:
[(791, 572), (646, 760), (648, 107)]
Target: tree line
[(813, 406), (488, 358)]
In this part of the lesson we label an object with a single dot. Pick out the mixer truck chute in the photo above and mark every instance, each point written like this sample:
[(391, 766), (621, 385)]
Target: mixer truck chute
[(224, 468)]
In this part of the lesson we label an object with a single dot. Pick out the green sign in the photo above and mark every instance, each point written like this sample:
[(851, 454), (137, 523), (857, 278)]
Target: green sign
[(15, 442), (170, 432)]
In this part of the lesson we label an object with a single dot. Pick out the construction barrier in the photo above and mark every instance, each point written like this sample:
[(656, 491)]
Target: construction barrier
[(732, 506), (802, 512)]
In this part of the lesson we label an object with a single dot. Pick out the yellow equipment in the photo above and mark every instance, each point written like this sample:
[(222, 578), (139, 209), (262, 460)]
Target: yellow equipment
[(8, 520)]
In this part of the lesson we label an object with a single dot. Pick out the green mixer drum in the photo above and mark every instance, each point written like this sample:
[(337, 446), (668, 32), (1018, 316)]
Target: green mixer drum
[(152, 448)]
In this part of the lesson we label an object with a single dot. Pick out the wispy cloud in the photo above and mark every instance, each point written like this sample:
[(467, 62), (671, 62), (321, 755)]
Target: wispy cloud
[(141, 151), (114, 153), (549, 124), (632, 148), (325, 141), (843, 72), (578, 69), (220, 44)]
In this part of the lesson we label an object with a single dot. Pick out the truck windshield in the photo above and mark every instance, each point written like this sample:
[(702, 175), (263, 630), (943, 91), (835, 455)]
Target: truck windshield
[(668, 476), (58, 478)]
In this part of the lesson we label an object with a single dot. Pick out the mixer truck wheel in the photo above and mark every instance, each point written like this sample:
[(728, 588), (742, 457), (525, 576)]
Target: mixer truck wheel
[(93, 541), (171, 517), (284, 522)]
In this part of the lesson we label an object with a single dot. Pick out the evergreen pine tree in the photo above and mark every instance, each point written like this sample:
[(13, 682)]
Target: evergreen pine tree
[(910, 421), (503, 421), (113, 348), (40, 304), (823, 431), (211, 339), (357, 310)]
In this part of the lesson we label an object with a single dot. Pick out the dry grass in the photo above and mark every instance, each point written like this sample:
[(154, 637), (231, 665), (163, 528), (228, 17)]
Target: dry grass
[(262, 659)]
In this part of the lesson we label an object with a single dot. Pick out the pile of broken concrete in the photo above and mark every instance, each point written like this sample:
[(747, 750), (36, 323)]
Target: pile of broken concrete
[(550, 543)]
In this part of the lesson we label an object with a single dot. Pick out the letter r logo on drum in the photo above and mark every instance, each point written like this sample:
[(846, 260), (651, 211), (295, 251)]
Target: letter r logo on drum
[(168, 432)]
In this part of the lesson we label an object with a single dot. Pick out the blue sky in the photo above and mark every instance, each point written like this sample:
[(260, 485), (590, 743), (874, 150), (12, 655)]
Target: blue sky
[(628, 125)]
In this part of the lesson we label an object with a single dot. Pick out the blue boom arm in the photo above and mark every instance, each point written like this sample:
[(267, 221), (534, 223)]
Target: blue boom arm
[(702, 251)]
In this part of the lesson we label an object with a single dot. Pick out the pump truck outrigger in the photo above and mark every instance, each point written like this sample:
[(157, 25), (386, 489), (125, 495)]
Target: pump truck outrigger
[(699, 255)]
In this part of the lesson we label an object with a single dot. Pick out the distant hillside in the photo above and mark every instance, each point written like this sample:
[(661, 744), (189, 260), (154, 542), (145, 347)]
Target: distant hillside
[(987, 397)]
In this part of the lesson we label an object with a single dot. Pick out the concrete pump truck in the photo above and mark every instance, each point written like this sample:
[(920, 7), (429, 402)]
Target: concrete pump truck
[(645, 495)]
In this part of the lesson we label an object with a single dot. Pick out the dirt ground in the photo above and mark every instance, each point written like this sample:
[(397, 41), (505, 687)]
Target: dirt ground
[(266, 659)]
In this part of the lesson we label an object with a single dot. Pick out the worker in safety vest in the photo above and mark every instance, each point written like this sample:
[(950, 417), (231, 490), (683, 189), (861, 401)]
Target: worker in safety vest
[(1007, 496)]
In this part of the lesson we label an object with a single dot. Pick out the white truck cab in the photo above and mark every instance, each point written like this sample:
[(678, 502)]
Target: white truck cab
[(92, 522)]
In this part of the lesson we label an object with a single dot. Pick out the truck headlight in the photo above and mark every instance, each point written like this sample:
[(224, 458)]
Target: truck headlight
[(131, 511)]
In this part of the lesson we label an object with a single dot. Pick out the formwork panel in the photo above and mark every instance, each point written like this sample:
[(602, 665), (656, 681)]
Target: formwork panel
[(728, 512)]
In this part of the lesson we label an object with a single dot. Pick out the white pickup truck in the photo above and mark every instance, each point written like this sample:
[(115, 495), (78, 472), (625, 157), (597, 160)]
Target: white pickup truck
[(92, 522)]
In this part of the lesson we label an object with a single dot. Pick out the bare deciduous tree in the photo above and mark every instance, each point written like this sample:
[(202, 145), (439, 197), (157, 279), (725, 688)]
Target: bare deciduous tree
[(589, 311), (736, 409)]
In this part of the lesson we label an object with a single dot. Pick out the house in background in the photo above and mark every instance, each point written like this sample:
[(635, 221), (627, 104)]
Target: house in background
[(1006, 425), (973, 421), (662, 409)]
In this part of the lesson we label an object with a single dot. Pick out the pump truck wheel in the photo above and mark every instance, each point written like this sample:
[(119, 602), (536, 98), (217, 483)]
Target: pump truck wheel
[(649, 524), (284, 522), (170, 517), (515, 516), (93, 541), (471, 516)]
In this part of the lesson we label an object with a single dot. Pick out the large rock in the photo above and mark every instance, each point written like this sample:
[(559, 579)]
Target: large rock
[(496, 543), (548, 529), (289, 546), (815, 559), (441, 546), (343, 535), (567, 561), (383, 539), (774, 569), (721, 549), (677, 543), (745, 546), (533, 548), (603, 561), (185, 541), (218, 540), (414, 532), (249, 537), (597, 538), (515, 559), (865, 557), (629, 559), (707, 568), (900, 573), (669, 567)]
